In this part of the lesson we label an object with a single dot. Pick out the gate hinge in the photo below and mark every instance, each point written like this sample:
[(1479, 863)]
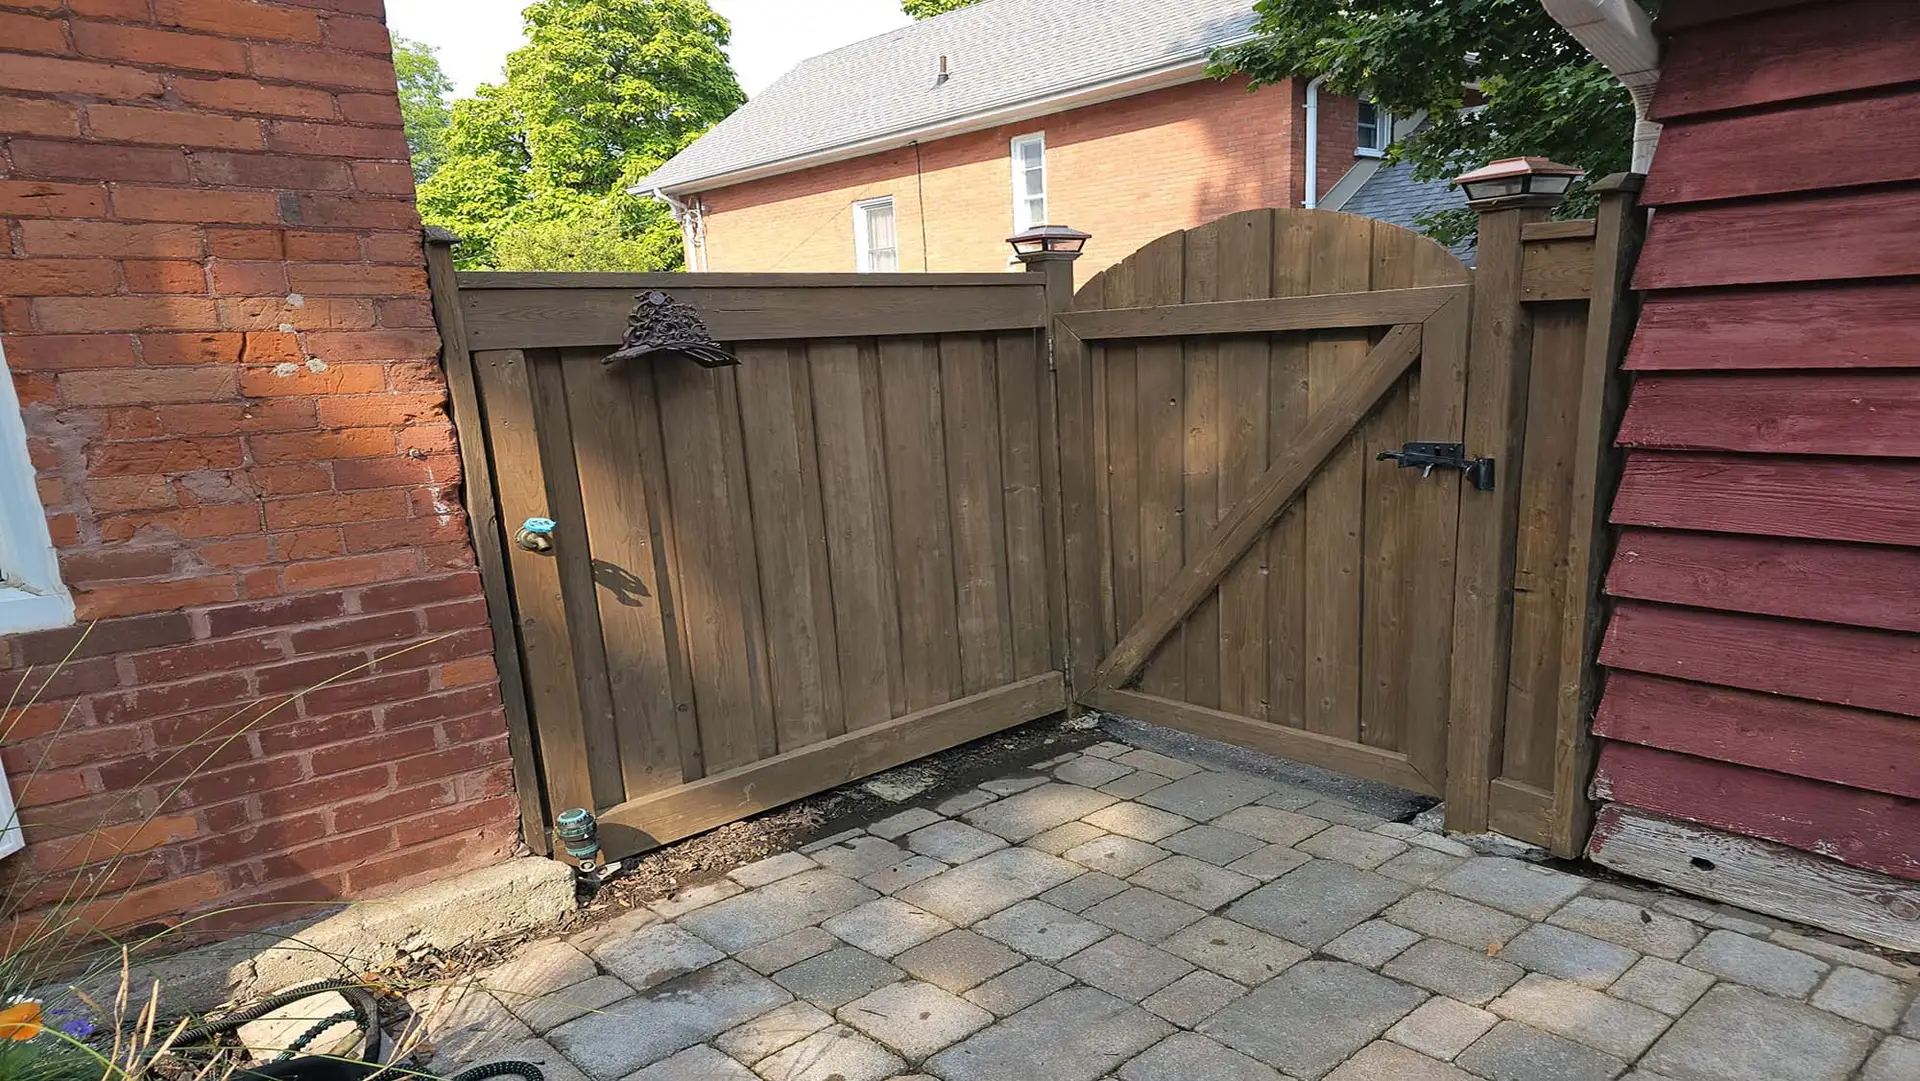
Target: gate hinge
[(1427, 457)]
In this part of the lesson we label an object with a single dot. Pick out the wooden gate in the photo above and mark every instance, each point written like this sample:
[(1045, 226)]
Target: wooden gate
[(764, 580), (1243, 566)]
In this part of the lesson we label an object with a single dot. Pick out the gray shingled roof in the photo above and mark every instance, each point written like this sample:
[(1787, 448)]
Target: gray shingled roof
[(1391, 194), (999, 53)]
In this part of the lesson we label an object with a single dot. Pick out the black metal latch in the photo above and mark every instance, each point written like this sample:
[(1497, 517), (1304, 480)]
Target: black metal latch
[(1426, 457)]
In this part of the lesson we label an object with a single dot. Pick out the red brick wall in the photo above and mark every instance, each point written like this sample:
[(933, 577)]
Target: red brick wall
[(215, 312), (1126, 171)]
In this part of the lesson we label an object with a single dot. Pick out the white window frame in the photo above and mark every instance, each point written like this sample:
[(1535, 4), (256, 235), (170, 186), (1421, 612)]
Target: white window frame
[(32, 597), (861, 252), (1017, 176), (1383, 130)]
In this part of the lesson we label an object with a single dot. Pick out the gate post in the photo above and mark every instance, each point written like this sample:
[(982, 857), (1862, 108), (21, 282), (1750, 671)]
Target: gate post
[(1508, 196)]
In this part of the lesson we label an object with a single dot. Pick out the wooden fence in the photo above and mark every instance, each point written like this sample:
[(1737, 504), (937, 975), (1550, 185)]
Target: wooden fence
[(893, 527)]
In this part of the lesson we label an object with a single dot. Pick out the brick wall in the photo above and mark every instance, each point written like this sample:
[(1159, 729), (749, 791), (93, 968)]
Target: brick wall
[(1126, 171), (215, 312)]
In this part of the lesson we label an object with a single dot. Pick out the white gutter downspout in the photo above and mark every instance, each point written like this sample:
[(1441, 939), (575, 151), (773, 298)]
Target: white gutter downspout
[(693, 239), (1620, 35), (1313, 143)]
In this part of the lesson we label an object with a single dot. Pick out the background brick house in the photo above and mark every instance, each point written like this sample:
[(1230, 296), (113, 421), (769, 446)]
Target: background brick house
[(215, 317), (924, 148)]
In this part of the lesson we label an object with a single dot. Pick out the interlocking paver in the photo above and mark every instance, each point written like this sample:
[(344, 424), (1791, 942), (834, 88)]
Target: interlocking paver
[(697, 1063), (1419, 866), (1315, 904), (958, 960), (466, 1024), (1155, 762), (1091, 772), (789, 949), (1188, 1056), (886, 926), (694, 897), (903, 874), (672, 1017), (556, 1008), (961, 802), (860, 856), (540, 968), (1383, 1061), (1038, 810), (834, 1054), (1442, 1028), (1206, 796), (1763, 965), (1515, 1052), (1312, 1017), (1235, 951), (976, 890), (1115, 855), (1441, 915), (1454, 971), (553, 1065), (1371, 944), (1060, 838), (1841, 955), (1360, 848), (1042, 931), (1193, 998), (1524, 889), (915, 1019), (1125, 967), (1289, 797), (771, 911), (1569, 955), (1342, 812), (1212, 844), (772, 869), (1144, 914), (1271, 824), (1008, 786), (1084, 892), (1269, 863), (1135, 784), (1013, 991), (1581, 1014), (773, 1030), (953, 842), (1897, 1059), (1194, 882), (1738, 1034), (1664, 985), (1079, 1034), (1108, 749), (1139, 822), (1640, 929), (1863, 997), (897, 826), (1910, 1025), (655, 955), (837, 977)]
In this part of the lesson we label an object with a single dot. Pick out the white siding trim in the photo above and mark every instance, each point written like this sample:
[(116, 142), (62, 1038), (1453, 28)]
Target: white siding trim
[(32, 596)]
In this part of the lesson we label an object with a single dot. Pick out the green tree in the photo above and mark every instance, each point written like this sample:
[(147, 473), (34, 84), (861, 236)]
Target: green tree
[(927, 9), (424, 92), (1538, 90), (603, 92)]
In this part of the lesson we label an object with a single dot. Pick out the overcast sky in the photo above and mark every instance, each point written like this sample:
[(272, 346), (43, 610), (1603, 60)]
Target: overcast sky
[(769, 36)]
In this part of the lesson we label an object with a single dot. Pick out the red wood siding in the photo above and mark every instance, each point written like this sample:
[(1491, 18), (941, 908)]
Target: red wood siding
[(1765, 642)]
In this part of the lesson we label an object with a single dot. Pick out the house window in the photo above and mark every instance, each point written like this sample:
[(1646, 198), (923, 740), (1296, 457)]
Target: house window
[(1029, 182), (876, 243), (31, 596), (1375, 130)]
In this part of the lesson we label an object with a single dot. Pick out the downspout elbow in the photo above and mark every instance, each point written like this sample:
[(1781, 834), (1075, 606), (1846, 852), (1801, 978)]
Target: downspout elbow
[(1619, 34)]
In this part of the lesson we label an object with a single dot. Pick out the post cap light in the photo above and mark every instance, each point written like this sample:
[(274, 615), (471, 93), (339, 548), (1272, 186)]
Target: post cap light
[(1518, 182), (1048, 242)]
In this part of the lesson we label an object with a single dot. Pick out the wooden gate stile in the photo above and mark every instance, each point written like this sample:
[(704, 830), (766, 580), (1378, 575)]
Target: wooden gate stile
[(1262, 579)]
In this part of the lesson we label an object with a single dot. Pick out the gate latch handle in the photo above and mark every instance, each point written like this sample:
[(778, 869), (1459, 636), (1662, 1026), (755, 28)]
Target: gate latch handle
[(1426, 457)]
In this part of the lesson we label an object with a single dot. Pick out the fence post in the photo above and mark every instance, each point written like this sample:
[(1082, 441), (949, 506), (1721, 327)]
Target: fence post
[(1618, 232), (1067, 453), (1508, 196), (483, 522)]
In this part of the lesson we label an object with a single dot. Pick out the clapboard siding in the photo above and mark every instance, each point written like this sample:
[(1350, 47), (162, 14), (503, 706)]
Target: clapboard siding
[(1778, 413), (1812, 146), (1869, 500), (1853, 325), (1858, 585), (1866, 829), (1852, 234), (1799, 52)]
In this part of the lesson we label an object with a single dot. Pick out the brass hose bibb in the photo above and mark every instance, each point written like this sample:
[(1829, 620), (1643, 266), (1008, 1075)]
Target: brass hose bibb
[(536, 534)]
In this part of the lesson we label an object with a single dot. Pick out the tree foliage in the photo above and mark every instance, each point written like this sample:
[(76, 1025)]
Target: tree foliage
[(602, 94), (424, 93), (927, 9), (1538, 91)]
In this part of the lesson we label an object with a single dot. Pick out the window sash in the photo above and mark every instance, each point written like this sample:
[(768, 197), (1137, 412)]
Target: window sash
[(1029, 160), (876, 237)]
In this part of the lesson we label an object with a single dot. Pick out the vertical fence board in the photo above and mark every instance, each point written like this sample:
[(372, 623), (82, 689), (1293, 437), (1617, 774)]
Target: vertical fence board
[(610, 409), (1341, 254), (1245, 273), (1162, 390), (1200, 507), (776, 420), (1388, 536), (968, 385), (922, 530), (1287, 600), (1120, 363), (1022, 389)]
